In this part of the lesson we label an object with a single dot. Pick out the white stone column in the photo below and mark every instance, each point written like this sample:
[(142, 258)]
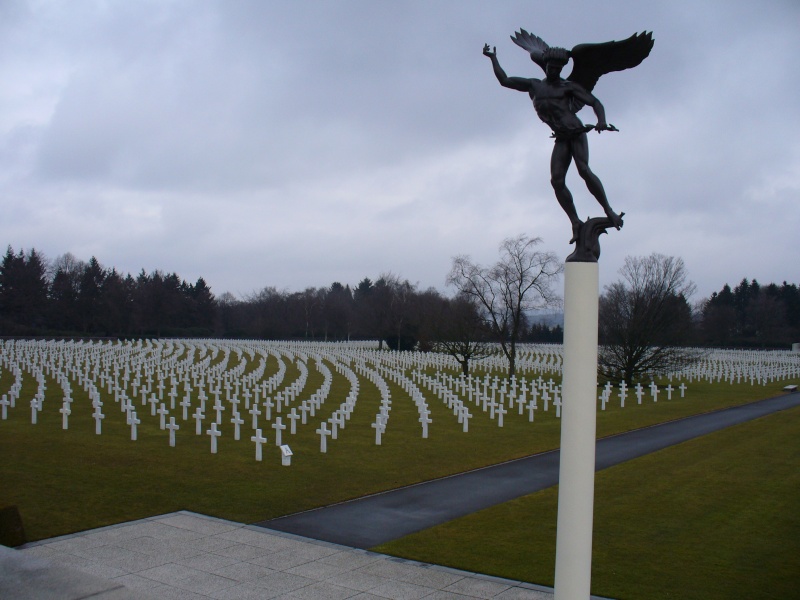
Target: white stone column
[(578, 432)]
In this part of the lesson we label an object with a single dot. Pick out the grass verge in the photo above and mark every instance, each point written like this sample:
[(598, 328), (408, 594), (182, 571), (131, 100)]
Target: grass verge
[(713, 518), (71, 480)]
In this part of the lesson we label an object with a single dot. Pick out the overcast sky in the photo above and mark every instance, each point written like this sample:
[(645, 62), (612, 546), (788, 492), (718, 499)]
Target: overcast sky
[(294, 144)]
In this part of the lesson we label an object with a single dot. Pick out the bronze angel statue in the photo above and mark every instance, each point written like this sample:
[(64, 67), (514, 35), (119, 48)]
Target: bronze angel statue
[(557, 101)]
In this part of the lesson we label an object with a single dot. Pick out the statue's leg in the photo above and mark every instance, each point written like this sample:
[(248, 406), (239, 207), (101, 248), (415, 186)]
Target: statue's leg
[(580, 152), (559, 164)]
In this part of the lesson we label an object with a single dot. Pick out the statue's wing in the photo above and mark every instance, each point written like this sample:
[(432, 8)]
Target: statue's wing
[(533, 44), (590, 61)]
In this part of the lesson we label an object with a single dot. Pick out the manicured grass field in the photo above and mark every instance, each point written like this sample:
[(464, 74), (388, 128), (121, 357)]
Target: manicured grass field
[(70, 480), (713, 518)]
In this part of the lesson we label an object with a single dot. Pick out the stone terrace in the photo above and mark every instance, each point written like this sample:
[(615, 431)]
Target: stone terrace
[(188, 556)]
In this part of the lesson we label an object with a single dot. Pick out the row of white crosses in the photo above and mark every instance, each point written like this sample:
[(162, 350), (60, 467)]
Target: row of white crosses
[(446, 395), (84, 372), (394, 372), (225, 382), (757, 367), (409, 387), (541, 359), (531, 358), (492, 395), (488, 391), (341, 415), (748, 366), (10, 399), (608, 392), (382, 418)]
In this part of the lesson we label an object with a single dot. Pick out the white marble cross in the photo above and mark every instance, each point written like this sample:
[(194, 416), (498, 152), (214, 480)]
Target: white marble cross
[(293, 416), (521, 401), (324, 433), (198, 419), (134, 421), (341, 416), (65, 413), (268, 406), (172, 427), (380, 428), (127, 408), (603, 399), (258, 439), (304, 408), (162, 414), (218, 408), (500, 412), (214, 433), (278, 427), (425, 420), (237, 421), (98, 420), (256, 413), (185, 404), (247, 395), (173, 393), (465, 417)]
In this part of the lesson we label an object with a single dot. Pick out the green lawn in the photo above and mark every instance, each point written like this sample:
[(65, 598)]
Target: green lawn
[(67, 481), (713, 518)]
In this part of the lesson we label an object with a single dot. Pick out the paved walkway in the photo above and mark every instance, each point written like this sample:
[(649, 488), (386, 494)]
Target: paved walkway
[(380, 518), (186, 556)]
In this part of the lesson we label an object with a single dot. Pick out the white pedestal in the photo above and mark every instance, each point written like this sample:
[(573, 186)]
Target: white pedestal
[(578, 433)]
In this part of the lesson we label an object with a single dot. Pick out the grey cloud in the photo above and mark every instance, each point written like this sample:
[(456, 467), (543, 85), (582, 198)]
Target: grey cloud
[(337, 126)]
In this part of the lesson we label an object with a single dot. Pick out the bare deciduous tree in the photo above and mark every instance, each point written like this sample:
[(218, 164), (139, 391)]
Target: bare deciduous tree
[(520, 282), (645, 319), (461, 331)]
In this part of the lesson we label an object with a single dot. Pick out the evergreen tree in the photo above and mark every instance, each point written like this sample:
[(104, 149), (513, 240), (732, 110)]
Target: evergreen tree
[(23, 291), (90, 302)]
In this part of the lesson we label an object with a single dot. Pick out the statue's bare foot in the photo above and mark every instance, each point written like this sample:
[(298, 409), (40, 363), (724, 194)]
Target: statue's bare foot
[(576, 231), (616, 219)]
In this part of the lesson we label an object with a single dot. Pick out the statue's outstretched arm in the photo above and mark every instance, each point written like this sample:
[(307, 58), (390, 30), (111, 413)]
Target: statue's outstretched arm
[(515, 83)]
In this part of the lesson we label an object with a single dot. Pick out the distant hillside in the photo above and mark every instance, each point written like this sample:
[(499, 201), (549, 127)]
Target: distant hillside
[(550, 319)]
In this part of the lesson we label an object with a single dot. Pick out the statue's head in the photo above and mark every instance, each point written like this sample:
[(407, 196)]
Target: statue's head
[(556, 55), (554, 60)]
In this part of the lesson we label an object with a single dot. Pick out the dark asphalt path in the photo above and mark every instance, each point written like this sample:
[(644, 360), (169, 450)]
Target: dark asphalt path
[(373, 520)]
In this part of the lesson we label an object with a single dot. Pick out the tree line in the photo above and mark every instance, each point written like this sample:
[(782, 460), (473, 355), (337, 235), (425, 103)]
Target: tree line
[(752, 315), (70, 297), (647, 325)]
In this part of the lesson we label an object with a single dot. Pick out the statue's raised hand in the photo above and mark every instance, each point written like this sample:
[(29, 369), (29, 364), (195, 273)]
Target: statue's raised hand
[(489, 51)]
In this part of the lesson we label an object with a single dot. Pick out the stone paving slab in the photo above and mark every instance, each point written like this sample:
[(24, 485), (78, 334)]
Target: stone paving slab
[(24, 577), (187, 556)]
